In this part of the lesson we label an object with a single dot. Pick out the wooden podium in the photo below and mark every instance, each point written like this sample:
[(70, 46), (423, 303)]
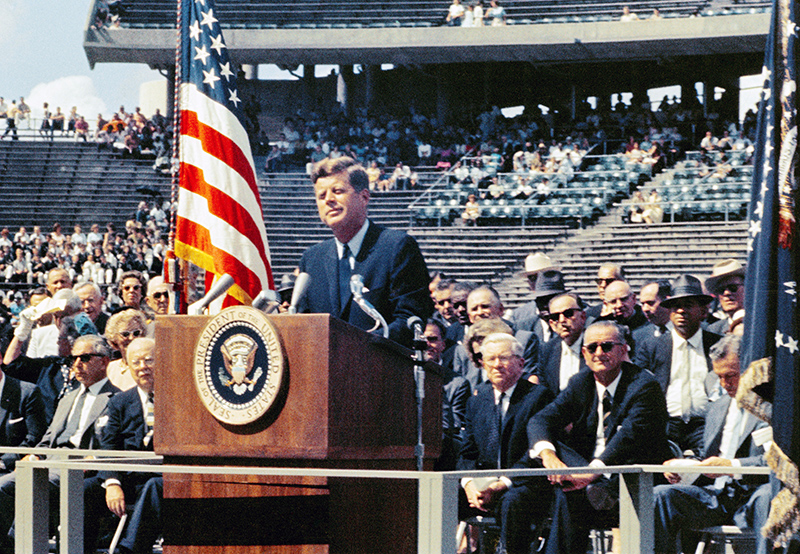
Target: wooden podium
[(350, 403)]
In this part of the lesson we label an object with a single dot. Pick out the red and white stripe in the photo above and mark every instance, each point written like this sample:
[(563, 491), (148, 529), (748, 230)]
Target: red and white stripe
[(220, 226)]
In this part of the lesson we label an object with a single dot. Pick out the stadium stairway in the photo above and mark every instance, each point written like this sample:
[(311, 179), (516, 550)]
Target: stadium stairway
[(45, 182), (646, 252)]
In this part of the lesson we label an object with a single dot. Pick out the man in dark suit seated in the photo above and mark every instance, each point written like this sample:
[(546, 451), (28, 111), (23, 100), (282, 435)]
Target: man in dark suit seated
[(454, 396), (77, 423), (394, 271), (733, 437), (620, 301), (495, 435), (651, 296), (129, 427), (22, 418), (561, 357), (680, 361), (616, 415)]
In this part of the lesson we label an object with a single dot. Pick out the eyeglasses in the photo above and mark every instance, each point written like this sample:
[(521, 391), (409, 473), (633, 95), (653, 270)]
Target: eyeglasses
[(132, 287), (126, 334), (160, 295), (85, 357), (602, 281), (731, 288), (606, 347), (568, 313)]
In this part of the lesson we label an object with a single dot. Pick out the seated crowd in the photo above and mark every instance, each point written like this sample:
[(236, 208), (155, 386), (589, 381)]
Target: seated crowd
[(631, 378)]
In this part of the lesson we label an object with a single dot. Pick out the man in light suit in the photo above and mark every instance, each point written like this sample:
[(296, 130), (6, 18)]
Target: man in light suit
[(617, 416), (495, 433), (22, 418), (130, 427), (731, 439), (394, 271), (561, 356), (681, 352), (76, 423)]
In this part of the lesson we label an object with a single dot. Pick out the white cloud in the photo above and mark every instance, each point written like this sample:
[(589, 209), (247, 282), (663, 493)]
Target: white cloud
[(77, 90)]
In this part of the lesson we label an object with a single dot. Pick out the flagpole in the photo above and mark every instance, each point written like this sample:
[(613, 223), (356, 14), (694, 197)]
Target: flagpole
[(172, 273)]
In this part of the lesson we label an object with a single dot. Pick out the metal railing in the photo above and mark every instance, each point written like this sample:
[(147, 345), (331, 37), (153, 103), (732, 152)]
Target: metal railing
[(437, 514)]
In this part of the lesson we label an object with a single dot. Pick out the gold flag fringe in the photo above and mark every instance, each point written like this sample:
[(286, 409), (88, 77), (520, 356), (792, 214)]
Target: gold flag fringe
[(760, 372)]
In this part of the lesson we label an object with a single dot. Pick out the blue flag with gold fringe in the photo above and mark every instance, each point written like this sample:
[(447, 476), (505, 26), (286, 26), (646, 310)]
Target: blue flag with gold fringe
[(770, 343)]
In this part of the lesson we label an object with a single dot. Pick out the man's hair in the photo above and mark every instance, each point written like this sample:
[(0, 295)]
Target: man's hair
[(664, 289), (574, 295), (38, 291), (724, 347), (97, 344), (464, 286), (490, 289), (619, 273), (504, 338), (89, 285), (481, 329), (139, 341), (354, 172), (622, 331), (445, 284), (436, 323)]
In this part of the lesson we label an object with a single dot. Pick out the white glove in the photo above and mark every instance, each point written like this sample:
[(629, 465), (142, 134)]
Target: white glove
[(26, 318)]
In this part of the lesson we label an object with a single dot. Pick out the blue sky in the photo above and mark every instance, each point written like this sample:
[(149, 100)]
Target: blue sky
[(42, 59)]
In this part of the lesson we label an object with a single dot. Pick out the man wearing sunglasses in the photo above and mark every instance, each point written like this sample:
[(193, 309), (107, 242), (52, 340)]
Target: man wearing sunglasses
[(727, 284), (76, 424), (561, 357), (617, 416), (606, 274), (158, 295)]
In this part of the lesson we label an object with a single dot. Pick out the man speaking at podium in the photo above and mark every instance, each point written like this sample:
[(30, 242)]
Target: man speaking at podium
[(390, 262)]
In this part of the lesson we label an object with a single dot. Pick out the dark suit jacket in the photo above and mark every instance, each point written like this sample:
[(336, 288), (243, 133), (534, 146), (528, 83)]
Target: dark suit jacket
[(394, 273), (526, 401), (549, 372), (22, 419), (94, 423), (124, 429), (638, 419), (45, 373), (656, 355)]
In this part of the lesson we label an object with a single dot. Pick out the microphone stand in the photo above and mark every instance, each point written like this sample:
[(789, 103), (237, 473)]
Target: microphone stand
[(420, 345)]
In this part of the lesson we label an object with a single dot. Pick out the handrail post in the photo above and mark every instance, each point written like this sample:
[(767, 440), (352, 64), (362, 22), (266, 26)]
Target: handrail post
[(71, 508), (32, 509), (437, 514), (636, 512)]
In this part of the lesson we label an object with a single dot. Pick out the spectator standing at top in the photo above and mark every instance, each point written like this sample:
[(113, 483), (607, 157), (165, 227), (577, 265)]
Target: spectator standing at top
[(496, 13), (46, 130), (58, 120), (11, 120), (23, 112), (455, 14), (628, 15)]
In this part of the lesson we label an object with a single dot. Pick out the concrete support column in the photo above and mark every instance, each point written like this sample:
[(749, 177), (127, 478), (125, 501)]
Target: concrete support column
[(170, 75), (371, 86), (347, 74), (442, 94)]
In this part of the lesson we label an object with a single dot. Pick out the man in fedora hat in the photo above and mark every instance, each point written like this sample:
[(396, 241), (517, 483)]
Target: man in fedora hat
[(681, 363), (526, 317), (726, 283)]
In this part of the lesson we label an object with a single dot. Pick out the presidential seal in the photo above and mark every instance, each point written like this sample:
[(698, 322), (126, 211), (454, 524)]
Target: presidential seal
[(239, 365)]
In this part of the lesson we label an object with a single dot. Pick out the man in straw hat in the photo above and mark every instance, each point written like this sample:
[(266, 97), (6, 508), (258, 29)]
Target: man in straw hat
[(526, 317), (726, 283), (681, 363)]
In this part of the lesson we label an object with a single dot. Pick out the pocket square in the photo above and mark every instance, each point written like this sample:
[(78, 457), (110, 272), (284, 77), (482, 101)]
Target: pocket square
[(101, 421), (17, 420)]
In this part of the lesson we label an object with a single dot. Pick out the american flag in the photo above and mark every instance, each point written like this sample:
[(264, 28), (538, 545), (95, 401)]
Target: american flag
[(770, 349), (219, 225)]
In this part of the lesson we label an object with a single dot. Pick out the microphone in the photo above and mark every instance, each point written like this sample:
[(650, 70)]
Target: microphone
[(420, 345), (264, 298), (217, 289), (300, 288), (357, 288), (415, 324)]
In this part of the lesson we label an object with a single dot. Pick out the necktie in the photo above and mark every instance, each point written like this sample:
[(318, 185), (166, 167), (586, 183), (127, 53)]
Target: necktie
[(344, 278), (729, 452), (608, 402), (686, 386), (149, 418), (73, 422), (493, 442)]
